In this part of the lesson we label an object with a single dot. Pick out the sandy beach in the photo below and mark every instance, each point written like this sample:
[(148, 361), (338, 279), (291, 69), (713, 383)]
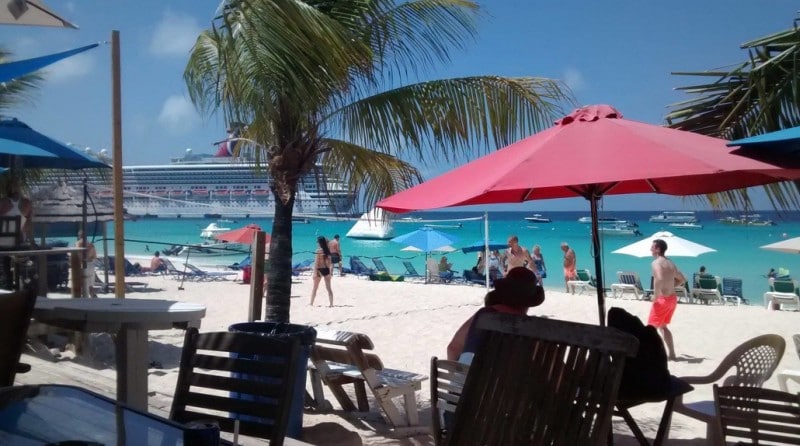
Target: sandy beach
[(410, 322)]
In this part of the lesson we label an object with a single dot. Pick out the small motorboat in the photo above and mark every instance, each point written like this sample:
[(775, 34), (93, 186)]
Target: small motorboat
[(538, 218), (686, 225), (212, 230)]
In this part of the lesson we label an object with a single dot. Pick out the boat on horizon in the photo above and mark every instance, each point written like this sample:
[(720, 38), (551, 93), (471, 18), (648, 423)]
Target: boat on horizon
[(538, 218), (686, 225), (210, 186), (674, 217), (747, 220), (603, 220), (619, 229)]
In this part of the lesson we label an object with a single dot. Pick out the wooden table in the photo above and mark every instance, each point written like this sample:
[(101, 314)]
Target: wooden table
[(41, 255), (130, 320)]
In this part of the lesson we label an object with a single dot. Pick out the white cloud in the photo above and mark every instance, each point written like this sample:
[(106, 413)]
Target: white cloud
[(178, 115), (574, 79), (174, 35), (70, 68)]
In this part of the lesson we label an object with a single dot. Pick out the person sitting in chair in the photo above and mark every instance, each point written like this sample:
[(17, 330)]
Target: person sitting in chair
[(157, 264)]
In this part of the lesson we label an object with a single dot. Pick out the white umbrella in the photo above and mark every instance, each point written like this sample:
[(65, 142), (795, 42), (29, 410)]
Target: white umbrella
[(792, 246), (676, 246), (446, 248)]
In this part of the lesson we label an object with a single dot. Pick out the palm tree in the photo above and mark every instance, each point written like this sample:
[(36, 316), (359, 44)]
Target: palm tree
[(759, 95), (13, 93), (324, 87)]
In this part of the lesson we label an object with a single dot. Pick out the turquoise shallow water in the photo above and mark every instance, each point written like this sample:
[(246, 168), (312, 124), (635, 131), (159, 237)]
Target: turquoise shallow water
[(738, 253)]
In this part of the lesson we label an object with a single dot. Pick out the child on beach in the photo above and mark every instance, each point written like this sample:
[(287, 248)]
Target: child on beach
[(323, 269)]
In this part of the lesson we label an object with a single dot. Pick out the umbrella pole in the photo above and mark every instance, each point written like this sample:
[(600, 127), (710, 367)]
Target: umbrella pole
[(598, 266), (486, 249)]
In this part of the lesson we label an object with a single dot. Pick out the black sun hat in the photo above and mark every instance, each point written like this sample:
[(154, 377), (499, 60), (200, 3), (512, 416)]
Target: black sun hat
[(518, 289)]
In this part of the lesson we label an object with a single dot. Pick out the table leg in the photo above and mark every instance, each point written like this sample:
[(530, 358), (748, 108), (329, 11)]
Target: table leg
[(132, 361)]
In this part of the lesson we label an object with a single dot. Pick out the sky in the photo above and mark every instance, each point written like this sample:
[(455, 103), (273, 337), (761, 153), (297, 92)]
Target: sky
[(614, 52)]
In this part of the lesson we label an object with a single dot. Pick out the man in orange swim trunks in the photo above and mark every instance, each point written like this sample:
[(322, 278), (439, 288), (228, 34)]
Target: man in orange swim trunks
[(570, 264), (666, 277)]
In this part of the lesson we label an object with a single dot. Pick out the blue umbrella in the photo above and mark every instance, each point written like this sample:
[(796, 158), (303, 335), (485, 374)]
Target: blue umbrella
[(780, 147), (39, 151), (479, 245), (12, 70), (426, 239)]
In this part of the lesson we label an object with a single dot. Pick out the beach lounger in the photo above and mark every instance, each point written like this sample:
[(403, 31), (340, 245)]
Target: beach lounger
[(379, 265), (410, 270), (302, 267), (584, 282), (358, 268), (782, 292), (340, 358), (628, 282), (785, 375), (732, 291), (708, 290), (195, 273)]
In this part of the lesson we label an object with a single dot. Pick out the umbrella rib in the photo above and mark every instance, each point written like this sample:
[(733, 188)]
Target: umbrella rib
[(652, 186)]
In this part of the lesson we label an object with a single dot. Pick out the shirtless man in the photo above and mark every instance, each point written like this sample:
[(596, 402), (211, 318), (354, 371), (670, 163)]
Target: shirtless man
[(666, 277), (336, 253), (570, 262), (516, 255)]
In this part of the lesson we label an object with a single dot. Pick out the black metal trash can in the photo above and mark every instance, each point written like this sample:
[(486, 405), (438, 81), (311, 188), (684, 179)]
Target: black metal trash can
[(307, 336)]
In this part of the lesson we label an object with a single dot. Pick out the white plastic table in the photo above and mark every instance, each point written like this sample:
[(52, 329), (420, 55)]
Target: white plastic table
[(130, 320)]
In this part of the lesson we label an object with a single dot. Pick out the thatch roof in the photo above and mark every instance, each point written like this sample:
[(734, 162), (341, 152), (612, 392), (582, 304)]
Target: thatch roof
[(64, 203)]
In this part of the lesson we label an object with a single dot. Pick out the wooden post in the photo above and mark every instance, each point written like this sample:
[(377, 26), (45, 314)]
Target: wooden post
[(258, 251), (116, 124), (76, 273)]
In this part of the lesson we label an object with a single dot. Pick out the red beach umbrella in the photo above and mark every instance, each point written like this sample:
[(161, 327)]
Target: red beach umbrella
[(590, 153), (242, 235)]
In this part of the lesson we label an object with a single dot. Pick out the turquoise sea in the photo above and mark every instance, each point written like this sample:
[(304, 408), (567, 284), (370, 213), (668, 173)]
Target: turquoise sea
[(738, 253)]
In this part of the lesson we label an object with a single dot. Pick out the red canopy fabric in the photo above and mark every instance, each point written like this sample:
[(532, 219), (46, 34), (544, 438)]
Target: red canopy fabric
[(590, 153), (593, 151), (242, 235)]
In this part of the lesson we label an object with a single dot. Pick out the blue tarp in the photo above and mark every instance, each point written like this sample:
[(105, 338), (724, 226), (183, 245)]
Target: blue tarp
[(13, 70)]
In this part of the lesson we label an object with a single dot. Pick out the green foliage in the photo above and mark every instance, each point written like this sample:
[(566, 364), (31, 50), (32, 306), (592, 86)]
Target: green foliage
[(341, 87), (759, 95)]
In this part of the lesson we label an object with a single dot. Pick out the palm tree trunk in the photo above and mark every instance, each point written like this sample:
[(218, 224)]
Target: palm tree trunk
[(279, 275)]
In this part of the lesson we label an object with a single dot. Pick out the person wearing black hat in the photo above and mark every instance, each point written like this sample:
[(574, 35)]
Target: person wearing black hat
[(514, 294)]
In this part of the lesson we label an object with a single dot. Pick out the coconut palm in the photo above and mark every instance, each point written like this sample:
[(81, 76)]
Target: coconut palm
[(759, 95), (341, 87), (19, 90)]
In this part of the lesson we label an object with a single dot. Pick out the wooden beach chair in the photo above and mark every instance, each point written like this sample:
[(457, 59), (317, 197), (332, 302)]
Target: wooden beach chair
[(540, 381), (447, 383), (756, 415), (341, 358)]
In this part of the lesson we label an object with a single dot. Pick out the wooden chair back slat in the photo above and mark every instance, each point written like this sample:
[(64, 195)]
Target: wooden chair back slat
[(253, 380), (758, 415), (540, 381)]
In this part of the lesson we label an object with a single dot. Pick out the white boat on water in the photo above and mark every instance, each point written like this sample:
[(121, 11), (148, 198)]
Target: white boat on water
[(747, 220), (674, 217), (603, 221), (210, 186), (453, 226), (211, 231), (538, 218), (374, 224), (686, 225), (619, 229)]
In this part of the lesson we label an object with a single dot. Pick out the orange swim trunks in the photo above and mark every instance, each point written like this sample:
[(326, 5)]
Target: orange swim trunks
[(570, 273), (662, 310)]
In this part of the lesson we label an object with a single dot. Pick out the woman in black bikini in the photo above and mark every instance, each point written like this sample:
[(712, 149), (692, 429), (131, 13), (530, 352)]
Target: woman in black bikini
[(322, 269)]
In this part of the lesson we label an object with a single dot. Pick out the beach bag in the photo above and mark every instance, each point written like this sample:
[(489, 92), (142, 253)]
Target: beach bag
[(646, 375)]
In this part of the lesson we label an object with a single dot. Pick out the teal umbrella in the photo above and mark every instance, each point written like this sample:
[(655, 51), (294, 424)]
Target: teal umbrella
[(426, 239)]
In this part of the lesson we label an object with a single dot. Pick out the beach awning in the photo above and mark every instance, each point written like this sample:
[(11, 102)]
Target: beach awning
[(676, 246), (13, 70), (31, 13)]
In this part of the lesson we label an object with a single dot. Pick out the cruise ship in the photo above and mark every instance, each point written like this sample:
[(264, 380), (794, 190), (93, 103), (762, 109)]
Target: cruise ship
[(198, 186)]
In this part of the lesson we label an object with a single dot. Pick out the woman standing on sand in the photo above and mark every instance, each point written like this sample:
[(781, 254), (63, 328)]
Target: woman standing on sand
[(322, 269)]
